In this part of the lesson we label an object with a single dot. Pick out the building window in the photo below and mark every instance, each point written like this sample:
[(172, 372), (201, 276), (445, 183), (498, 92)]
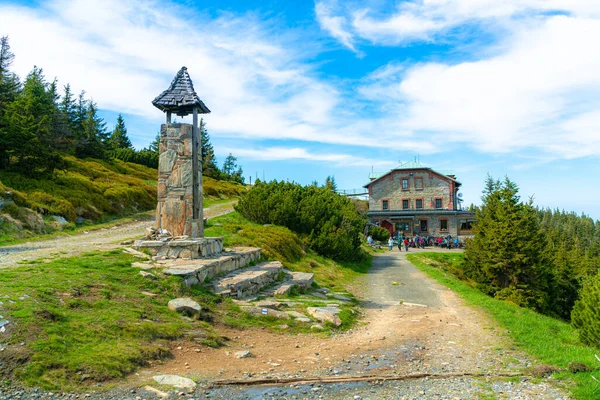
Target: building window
[(385, 204), (419, 203), (423, 225), (466, 225), (419, 183), (443, 225), (404, 184), (405, 204), (438, 202)]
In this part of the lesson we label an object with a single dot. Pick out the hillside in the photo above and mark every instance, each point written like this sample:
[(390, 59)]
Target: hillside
[(85, 192)]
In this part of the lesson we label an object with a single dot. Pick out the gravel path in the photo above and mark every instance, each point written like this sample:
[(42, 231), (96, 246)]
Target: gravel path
[(93, 240), (412, 325)]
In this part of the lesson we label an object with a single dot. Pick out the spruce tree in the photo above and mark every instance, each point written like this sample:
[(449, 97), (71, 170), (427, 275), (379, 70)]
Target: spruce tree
[(209, 161), (119, 138), (586, 313), (506, 256)]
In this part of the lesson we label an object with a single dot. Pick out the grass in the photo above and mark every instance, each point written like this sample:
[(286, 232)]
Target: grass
[(85, 319), (551, 341)]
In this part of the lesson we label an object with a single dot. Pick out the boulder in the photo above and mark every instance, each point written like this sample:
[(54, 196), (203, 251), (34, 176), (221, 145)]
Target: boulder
[(295, 314), (175, 380), (317, 327), (185, 305), (325, 314), (274, 305)]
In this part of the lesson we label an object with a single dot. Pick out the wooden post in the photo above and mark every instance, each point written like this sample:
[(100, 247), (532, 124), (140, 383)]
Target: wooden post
[(168, 117)]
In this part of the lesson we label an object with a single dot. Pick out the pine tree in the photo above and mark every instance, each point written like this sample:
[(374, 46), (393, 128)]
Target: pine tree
[(94, 137), (586, 313), (10, 88), (119, 139), (231, 170), (330, 183), (209, 161), (506, 256)]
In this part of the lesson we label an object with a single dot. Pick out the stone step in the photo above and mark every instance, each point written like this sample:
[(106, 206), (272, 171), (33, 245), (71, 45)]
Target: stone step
[(201, 270), (248, 281), (302, 280)]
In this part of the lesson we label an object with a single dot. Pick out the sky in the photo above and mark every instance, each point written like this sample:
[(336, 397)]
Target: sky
[(300, 90)]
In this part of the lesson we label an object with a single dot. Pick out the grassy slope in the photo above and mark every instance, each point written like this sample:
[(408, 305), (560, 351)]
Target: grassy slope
[(86, 318), (98, 191), (551, 341)]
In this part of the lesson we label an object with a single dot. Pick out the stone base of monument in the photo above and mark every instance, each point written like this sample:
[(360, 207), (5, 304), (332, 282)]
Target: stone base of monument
[(181, 248)]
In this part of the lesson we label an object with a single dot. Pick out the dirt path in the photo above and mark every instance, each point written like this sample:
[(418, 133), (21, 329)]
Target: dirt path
[(93, 240), (411, 325)]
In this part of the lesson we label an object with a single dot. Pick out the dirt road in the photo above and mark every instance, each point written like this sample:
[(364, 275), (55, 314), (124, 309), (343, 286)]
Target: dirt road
[(411, 325), (93, 240)]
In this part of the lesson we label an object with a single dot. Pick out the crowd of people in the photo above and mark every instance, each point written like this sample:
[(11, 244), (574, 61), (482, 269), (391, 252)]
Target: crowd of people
[(402, 241)]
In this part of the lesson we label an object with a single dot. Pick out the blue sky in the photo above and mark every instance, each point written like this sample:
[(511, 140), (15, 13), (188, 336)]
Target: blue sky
[(300, 90)]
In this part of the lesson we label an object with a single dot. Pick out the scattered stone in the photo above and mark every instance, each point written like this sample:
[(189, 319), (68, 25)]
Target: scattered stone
[(317, 327), (319, 295), (302, 319), (175, 381), (325, 314), (143, 266), (156, 391), (265, 311), (147, 275), (341, 297), (136, 253), (59, 219), (243, 354), (185, 305), (295, 314), (274, 305), (149, 294)]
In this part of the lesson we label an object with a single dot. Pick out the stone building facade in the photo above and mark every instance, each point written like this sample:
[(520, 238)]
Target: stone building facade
[(415, 199)]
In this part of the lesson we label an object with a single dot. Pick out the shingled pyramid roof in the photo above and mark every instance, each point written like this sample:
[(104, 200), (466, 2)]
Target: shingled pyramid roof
[(180, 97)]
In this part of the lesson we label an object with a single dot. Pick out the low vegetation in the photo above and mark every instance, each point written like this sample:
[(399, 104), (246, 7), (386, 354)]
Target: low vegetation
[(327, 222), (87, 193), (552, 341), (90, 319)]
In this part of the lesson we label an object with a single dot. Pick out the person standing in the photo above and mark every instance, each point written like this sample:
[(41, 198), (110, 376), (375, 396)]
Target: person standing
[(391, 243), (406, 242)]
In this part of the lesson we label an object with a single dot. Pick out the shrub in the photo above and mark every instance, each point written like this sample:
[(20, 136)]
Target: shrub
[(327, 222), (586, 313)]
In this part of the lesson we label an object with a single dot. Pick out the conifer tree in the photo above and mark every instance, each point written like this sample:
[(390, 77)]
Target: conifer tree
[(209, 161), (330, 183), (506, 255), (119, 138), (586, 313)]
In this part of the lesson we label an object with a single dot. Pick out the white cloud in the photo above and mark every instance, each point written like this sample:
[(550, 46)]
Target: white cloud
[(296, 153), (335, 25), (426, 20)]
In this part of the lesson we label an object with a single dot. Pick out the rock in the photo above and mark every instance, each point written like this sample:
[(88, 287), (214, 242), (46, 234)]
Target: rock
[(319, 295), (156, 391), (323, 290), (274, 305), (325, 314), (185, 305), (265, 311), (59, 219), (147, 275), (243, 354), (175, 380), (295, 314), (79, 220), (149, 294), (317, 327), (143, 266), (302, 319), (340, 297)]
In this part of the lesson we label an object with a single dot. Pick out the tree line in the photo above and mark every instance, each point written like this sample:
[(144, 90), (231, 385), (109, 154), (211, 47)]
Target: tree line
[(543, 259), (40, 123)]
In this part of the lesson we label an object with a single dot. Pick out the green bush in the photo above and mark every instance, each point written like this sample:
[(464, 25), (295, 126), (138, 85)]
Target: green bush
[(586, 313), (326, 221)]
